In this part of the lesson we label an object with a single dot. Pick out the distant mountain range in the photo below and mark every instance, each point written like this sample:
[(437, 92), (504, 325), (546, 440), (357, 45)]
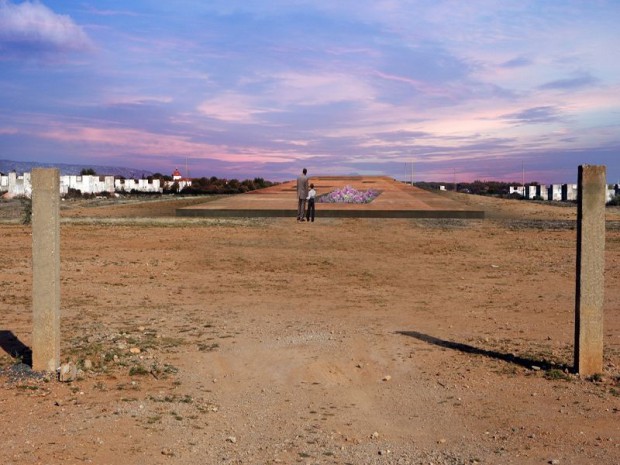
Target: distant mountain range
[(6, 166)]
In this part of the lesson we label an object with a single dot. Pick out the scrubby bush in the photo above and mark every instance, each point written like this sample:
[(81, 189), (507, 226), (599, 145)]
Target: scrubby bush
[(26, 210), (73, 194)]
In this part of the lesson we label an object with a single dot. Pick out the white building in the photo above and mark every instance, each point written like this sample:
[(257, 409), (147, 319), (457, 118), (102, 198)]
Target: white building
[(140, 185), (180, 181), (536, 191), (517, 190), (13, 185), (557, 192), (87, 184), (569, 192)]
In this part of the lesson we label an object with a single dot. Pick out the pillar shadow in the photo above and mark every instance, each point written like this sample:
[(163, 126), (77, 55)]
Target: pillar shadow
[(466, 348), (14, 347)]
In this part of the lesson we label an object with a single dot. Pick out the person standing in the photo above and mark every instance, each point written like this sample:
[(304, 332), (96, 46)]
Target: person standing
[(311, 198), (302, 194)]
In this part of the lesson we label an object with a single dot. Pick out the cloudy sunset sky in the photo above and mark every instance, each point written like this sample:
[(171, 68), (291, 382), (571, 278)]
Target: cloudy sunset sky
[(476, 89)]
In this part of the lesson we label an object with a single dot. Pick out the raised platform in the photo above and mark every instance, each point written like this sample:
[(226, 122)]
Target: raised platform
[(397, 200)]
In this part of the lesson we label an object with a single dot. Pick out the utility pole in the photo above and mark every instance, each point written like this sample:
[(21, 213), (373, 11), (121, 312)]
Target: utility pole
[(412, 173), (454, 179), (523, 177)]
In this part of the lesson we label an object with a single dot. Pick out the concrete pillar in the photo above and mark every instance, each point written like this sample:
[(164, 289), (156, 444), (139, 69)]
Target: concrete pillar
[(590, 270), (46, 269)]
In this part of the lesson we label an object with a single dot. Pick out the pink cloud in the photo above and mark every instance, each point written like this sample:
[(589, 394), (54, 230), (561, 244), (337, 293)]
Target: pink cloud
[(232, 107), (119, 142), (423, 87), (36, 25)]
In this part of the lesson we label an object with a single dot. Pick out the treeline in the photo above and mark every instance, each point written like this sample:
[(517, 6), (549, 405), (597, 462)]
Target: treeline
[(200, 186), (213, 185), (494, 188)]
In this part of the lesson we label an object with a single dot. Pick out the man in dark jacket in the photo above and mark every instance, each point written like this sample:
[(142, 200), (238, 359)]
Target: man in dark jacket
[(302, 194)]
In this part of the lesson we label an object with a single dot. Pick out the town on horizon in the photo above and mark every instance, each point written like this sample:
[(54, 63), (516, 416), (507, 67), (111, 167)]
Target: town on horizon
[(88, 182)]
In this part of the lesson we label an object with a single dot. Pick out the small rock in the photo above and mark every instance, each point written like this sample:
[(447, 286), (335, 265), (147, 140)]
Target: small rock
[(374, 435), (387, 378), (135, 350), (535, 368), (554, 462), (88, 364), (141, 328), (167, 452), (231, 439), (68, 372), (441, 441)]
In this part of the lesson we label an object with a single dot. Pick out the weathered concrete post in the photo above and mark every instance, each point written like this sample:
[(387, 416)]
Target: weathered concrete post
[(590, 270), (46, 269)]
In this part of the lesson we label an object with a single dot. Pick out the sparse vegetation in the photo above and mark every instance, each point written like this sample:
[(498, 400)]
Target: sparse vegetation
[(138, 370), (208, 347), (493, 188), (215, 346), (555, 374), (26, 210), (596, 378)]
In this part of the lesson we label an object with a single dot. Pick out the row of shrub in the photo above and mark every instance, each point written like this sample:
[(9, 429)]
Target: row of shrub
[(200, 186), (213, 185), (491, 188)]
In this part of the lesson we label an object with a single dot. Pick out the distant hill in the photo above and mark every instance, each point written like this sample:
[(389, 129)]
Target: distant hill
[(21, 167)]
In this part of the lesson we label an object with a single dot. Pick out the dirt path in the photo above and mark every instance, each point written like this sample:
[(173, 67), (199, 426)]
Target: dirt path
[(342, 341)]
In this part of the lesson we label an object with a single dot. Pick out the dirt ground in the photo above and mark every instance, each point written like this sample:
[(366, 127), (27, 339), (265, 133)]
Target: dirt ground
[(345, 341)]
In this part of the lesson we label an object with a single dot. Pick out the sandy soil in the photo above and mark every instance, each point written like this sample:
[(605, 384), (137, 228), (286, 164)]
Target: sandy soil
[(340, 342)]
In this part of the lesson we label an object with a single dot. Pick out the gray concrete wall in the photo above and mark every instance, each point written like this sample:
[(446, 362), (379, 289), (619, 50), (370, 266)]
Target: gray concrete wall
[(46, 269)]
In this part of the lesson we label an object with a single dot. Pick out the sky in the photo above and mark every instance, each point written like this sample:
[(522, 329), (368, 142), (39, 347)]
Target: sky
[(430, 90)]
